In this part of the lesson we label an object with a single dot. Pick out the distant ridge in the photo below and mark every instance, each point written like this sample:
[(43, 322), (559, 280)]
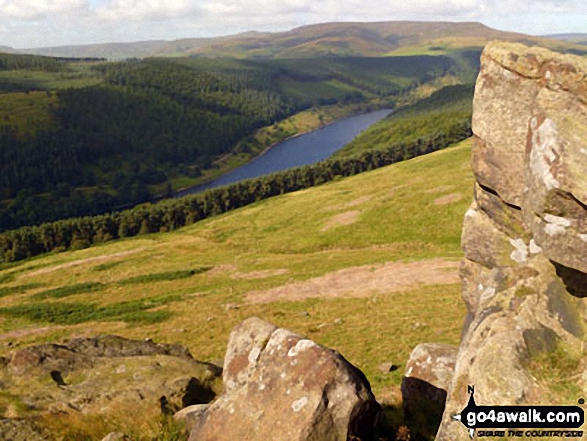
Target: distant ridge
[(318, 40), (573, 38)]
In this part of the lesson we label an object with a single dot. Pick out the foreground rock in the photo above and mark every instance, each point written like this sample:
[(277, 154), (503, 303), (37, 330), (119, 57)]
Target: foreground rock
[(105, 374), (280, 386), (429, 372), (21, 430), (525, 236)]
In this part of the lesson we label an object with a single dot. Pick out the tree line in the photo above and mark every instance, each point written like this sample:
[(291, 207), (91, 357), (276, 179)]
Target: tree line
[(156, 121), (171, 214), (33, 62)]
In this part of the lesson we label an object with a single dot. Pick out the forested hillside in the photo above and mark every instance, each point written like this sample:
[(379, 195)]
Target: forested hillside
[(445, 113), (86, 138), (427, 126)]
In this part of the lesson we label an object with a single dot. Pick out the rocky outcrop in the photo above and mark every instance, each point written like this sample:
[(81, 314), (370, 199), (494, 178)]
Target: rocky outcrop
[(429, 372), (22, 430), (525, 236), (103, 374), (280, 386)]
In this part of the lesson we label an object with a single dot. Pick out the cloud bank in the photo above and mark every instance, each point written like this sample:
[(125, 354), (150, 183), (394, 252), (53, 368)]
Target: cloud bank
[(34, 23)]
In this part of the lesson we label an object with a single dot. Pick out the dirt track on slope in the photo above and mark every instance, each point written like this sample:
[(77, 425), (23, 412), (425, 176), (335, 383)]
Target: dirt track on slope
[(346, 218), (364, 281), (81, 262)]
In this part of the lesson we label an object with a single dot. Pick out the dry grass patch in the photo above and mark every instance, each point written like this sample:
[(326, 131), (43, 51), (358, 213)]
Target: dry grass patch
[(448, 199), (440, 189), (346, 218), (364, 281), (259, 274), (81, 262)]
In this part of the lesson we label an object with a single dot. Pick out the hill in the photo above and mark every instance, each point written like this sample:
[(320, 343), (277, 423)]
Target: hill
[(573, 38), (341, 263), (88, 152), (444, 113), (327, 39)]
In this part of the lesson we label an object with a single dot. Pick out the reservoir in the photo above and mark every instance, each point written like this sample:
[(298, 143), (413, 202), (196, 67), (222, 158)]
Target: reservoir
[(302, 150)]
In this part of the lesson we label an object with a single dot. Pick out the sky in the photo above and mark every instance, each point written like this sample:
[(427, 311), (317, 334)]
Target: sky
[(42, 23)]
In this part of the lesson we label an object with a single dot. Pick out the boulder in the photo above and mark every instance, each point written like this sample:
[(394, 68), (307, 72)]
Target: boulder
[(525, 236), (15, 429), (103, 374), (85, 352), (284, 387), (425, 384), (191, 414)]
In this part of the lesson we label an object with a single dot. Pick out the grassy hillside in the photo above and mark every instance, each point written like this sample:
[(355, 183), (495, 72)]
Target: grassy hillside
[(320, 40), (342, 263)]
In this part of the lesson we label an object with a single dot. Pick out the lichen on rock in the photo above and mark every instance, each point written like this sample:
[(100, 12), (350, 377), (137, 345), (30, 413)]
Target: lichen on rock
[(281, 386), (525, 268)]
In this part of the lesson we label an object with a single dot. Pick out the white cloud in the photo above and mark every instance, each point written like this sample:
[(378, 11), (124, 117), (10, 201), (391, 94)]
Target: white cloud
[(35, 9), (145, 9)]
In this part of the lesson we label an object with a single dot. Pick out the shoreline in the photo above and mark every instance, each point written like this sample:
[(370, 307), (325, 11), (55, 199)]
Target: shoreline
[(176, 193)]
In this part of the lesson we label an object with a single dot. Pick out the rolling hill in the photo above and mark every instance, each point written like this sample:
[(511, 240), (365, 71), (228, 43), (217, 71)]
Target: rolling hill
[(341, 263), (319, 40), (87, 152), (443, 113), (572, 38)]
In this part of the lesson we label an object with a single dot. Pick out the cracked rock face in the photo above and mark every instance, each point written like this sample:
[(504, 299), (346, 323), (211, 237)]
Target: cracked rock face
[(525, 236), (281, 386)]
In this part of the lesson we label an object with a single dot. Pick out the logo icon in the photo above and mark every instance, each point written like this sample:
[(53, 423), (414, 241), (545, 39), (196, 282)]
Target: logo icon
[(475, 417)]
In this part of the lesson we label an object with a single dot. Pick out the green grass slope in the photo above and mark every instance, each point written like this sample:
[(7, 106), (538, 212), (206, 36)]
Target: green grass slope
[(290, 260)]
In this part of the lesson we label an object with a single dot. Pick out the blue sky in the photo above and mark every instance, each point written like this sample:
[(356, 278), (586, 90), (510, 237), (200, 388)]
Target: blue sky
[(34, 23)]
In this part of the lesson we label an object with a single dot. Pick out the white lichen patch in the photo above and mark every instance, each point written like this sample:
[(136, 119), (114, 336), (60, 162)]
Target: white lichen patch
[(583, 237), (553, 230), (487, 294), (543, 154), (277, 339), (299, 404), (534, 248), (301, 346), (548, 75), (520, 254), (262, 386), (254, 354), (563, 222), (470, 213), (555, 224)]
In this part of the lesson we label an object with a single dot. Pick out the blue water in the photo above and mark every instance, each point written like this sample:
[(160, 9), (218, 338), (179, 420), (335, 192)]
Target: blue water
[(302, 150)]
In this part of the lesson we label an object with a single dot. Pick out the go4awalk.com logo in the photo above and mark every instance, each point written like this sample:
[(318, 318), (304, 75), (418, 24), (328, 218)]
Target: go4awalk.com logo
[(521, 421)]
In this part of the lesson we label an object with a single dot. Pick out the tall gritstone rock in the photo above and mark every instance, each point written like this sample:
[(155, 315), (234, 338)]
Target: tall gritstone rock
[(280, 386), (525, 236)]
